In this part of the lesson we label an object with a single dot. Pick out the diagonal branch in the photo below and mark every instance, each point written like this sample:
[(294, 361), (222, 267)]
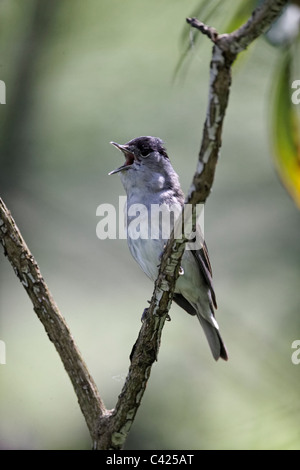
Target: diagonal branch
[(225, 50), (55, 325), (145, 351)]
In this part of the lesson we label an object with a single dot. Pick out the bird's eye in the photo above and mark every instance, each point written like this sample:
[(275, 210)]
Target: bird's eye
[(145, 151)]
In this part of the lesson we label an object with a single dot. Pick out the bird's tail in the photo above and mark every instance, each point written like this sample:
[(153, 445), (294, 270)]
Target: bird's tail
[(214, 339), (211, 330)]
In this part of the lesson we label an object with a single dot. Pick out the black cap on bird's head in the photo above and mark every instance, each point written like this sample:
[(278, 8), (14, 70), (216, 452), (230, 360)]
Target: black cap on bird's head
[(137, 149)]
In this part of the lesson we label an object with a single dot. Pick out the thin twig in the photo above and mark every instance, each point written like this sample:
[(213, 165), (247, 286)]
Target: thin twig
[(207, 30)]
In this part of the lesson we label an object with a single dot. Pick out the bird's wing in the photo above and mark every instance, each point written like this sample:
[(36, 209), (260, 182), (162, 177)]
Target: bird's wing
[(204, 265), (183, 303)]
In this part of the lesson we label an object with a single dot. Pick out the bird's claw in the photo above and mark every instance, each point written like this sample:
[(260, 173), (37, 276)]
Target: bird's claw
[(145, 313)]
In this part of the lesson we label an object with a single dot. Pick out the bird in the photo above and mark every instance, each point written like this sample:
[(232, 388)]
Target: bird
[(151, 182)]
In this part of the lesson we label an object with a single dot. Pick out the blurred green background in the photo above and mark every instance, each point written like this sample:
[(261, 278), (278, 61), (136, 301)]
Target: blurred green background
[(78, 75)]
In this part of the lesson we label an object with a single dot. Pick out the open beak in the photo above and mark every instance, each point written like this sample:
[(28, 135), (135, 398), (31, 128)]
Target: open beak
[(129, 158)]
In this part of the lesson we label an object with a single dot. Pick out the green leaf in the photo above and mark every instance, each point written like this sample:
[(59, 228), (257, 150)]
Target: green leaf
[(286, 130)]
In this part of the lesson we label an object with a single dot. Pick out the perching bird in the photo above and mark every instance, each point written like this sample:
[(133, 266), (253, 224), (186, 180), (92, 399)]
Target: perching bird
[(150, 182)]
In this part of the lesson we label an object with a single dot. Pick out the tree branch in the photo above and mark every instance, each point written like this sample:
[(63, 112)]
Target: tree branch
[(145, 351), (225, 50), (210, 32), (28, 272), (109, 429)]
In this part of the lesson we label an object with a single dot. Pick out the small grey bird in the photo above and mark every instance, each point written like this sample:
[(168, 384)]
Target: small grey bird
[(150, 181)]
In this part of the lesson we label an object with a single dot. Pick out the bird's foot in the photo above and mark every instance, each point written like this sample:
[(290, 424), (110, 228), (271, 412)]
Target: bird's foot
[(145, 314)]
